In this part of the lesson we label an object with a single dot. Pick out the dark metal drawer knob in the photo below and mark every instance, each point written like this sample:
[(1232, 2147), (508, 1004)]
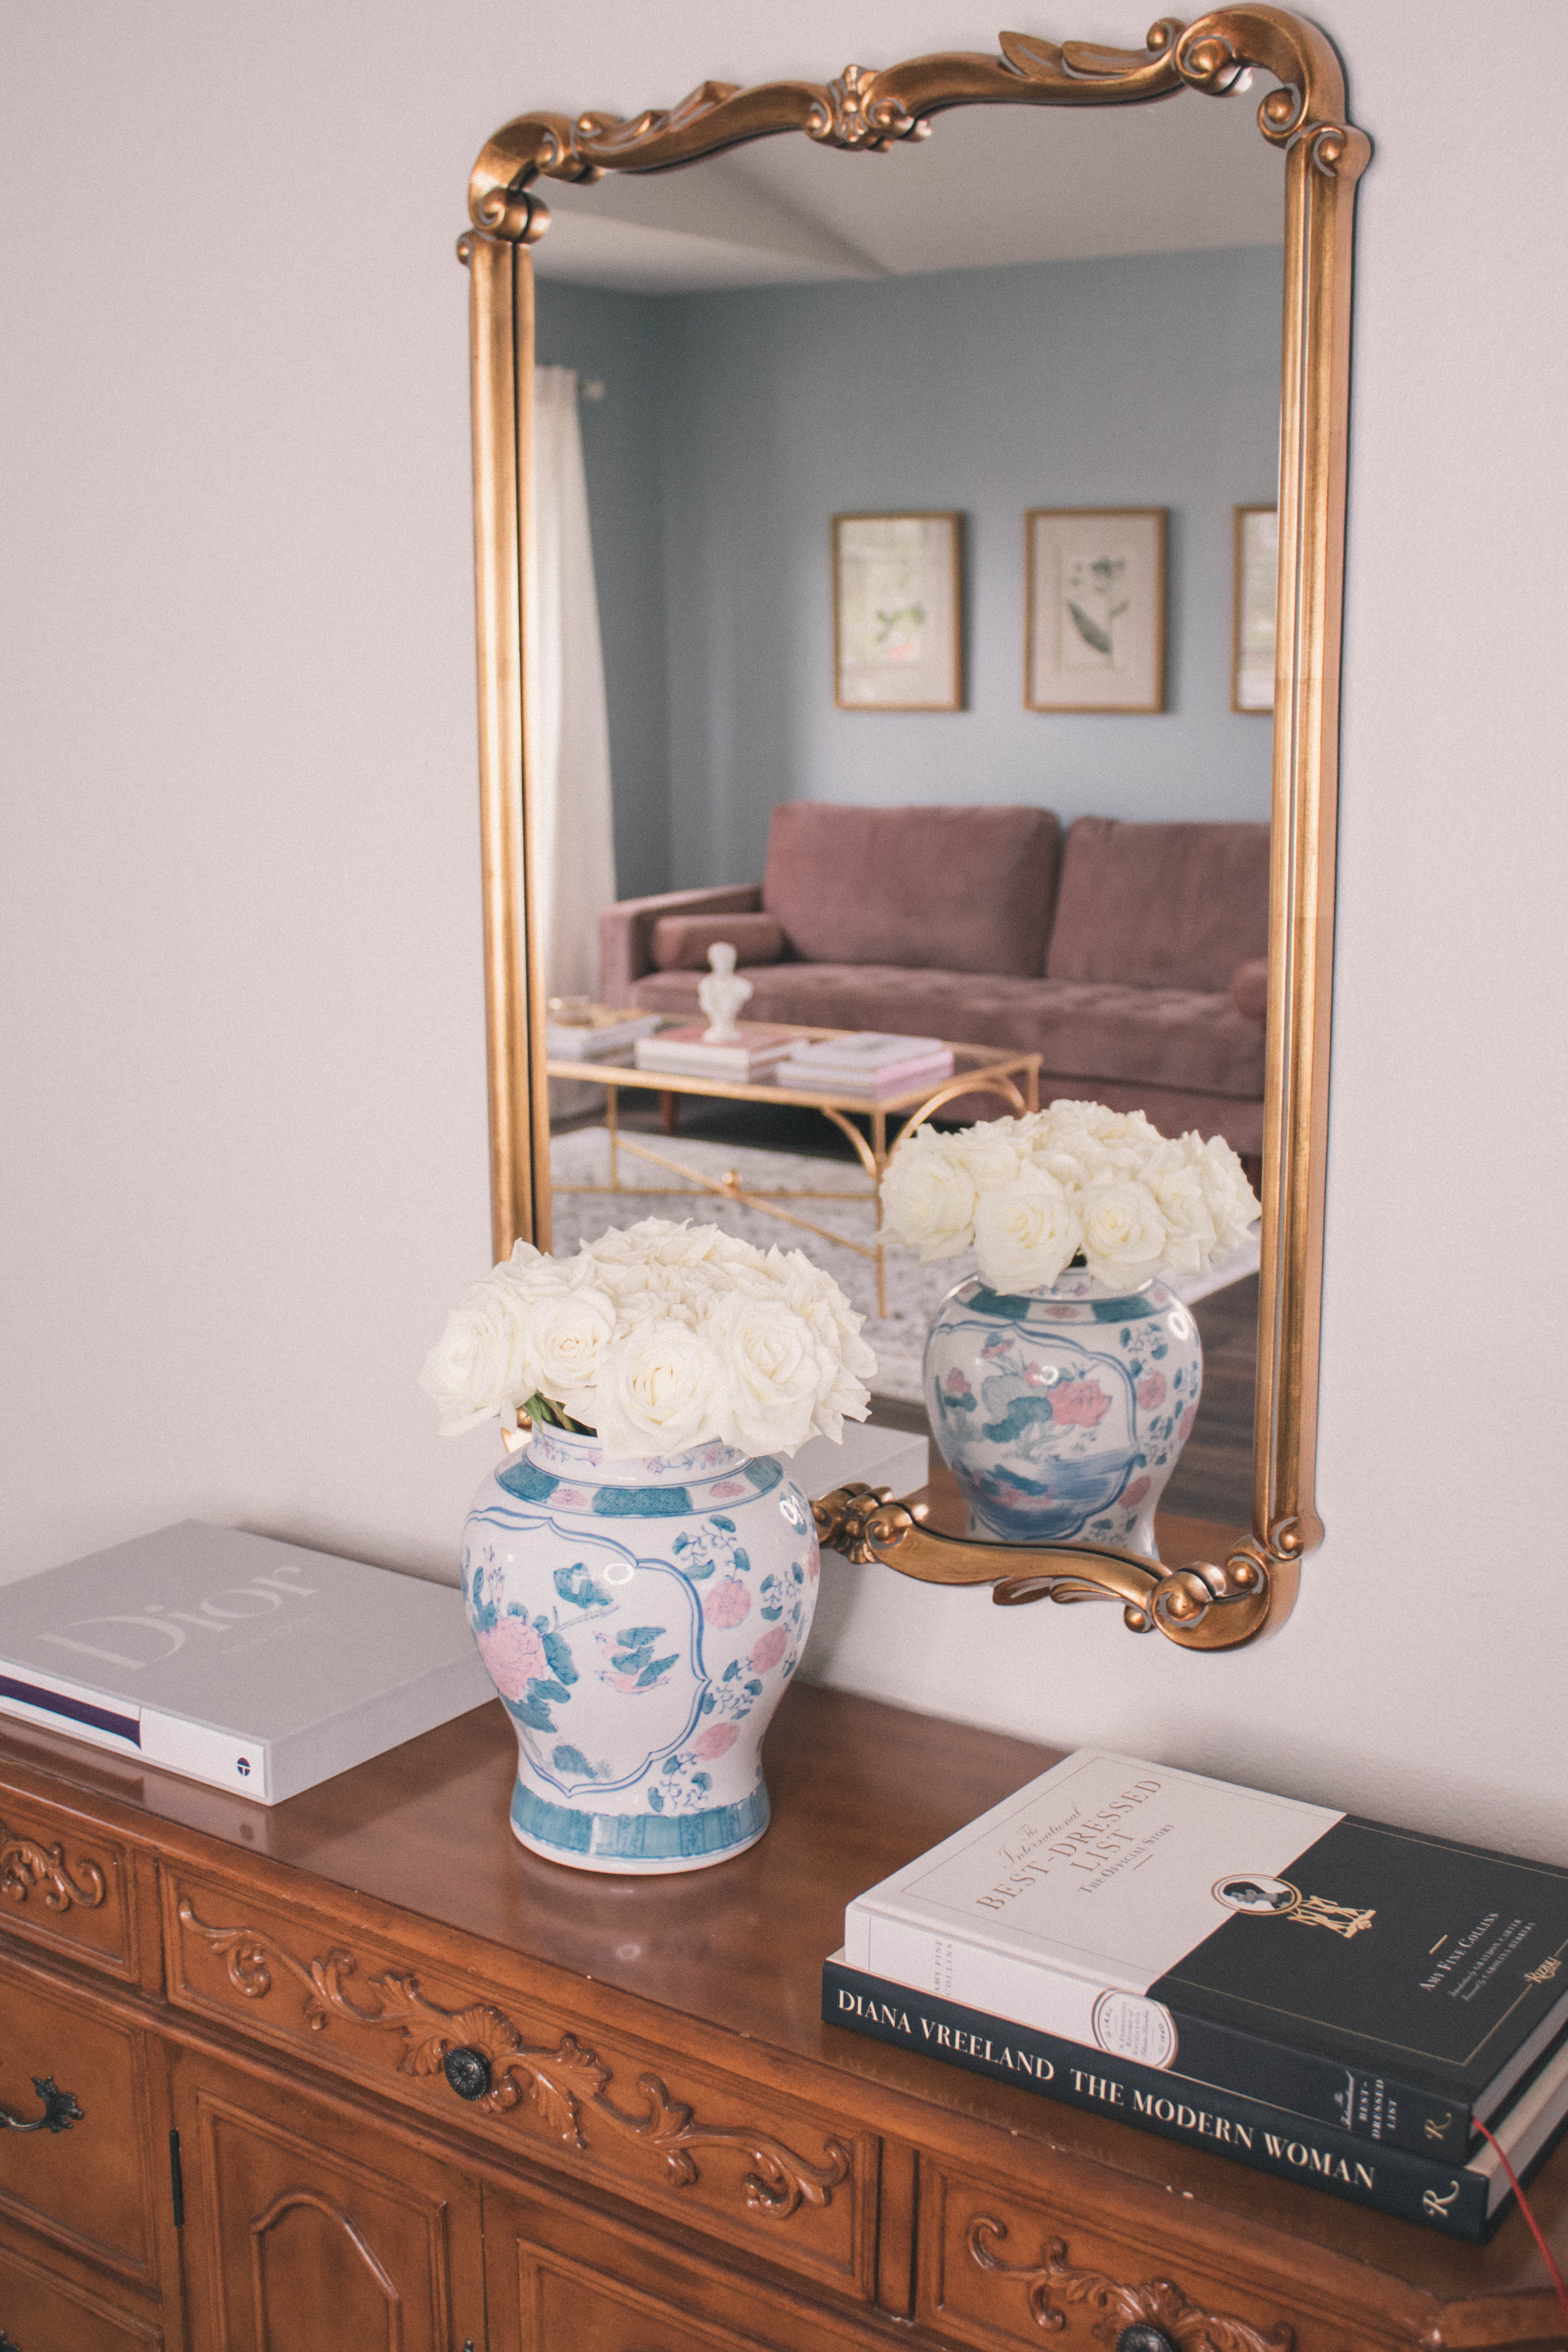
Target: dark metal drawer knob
[(1141, 2338), (60, 2110), (468, 2072)]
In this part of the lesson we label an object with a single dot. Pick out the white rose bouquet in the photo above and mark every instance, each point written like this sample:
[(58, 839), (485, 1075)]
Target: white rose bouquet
[(1073, 1185), (657, 1339)]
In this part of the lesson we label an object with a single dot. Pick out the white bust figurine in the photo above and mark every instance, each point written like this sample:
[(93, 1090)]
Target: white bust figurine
[(721, 995)]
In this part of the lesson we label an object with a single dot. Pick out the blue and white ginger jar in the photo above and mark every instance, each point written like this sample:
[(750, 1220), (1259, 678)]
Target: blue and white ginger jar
[(640, 1619), (1062, 1412)]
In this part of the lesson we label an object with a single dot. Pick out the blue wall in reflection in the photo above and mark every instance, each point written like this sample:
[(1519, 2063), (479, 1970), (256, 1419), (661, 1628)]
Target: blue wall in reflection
[(738, 423)]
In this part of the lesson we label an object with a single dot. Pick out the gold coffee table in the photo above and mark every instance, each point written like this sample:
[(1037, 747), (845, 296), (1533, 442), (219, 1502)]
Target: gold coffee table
[(1012, 1078)]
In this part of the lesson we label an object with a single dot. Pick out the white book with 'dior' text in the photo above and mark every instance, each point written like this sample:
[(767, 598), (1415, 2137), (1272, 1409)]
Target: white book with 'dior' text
[(249, 1664)]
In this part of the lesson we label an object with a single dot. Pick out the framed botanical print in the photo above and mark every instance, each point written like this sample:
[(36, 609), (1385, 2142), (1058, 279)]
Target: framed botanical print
[(897, 611), (1254, 592), (1095, 608)]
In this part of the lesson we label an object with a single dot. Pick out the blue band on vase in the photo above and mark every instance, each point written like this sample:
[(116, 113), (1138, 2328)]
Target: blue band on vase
[(640, 1837)]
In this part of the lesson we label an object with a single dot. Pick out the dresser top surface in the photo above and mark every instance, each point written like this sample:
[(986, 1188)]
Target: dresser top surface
[(858, 1790)]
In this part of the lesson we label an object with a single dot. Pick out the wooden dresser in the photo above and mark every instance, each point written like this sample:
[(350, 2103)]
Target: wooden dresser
[(358, 2073)]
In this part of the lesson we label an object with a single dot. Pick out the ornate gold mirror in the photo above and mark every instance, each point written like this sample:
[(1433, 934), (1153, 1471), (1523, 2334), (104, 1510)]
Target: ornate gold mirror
[(1300, 110)]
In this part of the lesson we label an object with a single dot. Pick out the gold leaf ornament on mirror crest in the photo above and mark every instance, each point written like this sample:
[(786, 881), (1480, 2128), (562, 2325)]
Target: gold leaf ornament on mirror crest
[(562, 2084), (1199, 1604)]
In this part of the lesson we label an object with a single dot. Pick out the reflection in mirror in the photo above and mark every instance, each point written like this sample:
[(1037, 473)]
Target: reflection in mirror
[(1069, 317)]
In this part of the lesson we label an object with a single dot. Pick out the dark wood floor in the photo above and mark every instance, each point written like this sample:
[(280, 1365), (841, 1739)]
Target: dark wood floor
[(1213, 1480)]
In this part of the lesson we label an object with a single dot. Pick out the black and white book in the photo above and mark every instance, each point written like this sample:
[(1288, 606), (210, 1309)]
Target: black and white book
[(255, 1666), (1462, 2200), (1395, 1985)]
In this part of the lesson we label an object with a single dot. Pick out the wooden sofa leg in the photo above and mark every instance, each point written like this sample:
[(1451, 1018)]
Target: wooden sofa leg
[(667, 1112)]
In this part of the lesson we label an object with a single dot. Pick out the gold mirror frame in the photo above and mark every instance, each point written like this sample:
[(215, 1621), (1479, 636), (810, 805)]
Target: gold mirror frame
[(1201, 1605)]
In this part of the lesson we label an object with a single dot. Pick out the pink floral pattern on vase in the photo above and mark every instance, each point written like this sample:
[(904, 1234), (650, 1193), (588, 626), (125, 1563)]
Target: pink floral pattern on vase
[(514, 1655), (1062, 1412), (1076, 1404), (767, 1652), (728, 1603)]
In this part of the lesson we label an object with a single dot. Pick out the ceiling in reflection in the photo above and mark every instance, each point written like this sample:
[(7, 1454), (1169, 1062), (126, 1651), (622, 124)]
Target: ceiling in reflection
[(992, 185)]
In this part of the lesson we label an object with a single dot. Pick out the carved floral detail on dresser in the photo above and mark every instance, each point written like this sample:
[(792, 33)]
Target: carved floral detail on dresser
[(561, 2085), (27, 1867), (1157, 2304)]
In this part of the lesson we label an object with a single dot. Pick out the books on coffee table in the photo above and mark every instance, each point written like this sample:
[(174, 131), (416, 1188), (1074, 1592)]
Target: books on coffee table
[(1396, 1988), (600, 1032), (254, 1666), (686, 1052), (866, 1062)]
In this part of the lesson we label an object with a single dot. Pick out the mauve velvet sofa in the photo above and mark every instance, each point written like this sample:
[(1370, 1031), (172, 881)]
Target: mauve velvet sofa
[(1131, 956)]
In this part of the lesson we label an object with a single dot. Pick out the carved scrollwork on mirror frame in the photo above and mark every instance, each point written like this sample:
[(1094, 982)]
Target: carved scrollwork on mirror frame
[(1198, 1605), (486, 2060)]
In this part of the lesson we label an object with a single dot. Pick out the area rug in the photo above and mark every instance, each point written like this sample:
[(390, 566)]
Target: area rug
[(914, 1291)]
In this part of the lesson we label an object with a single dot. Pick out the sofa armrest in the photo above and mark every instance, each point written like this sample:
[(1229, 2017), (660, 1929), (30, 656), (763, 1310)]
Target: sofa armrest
[(1249, 988), (626, 930)]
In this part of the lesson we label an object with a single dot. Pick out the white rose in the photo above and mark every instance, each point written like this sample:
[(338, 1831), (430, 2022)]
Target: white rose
[(657, 1392), (844, 1363), (928, 1198), (1025, 1232), (477, 1367), (1086, 1117), (528, 1275), (1076, 1163), (1124, 1232), (568, 1338), (991, 1152), (1177, 1190), (1227, 1196), (768, 1373)]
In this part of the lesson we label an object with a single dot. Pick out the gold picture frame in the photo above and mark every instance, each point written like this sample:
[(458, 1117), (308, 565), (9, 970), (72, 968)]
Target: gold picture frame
[(898, 611), (1254, 591), (1095, 609), (1200, 1605)]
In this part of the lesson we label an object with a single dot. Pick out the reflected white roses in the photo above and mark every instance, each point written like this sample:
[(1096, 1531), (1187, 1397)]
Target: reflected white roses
[(658, 1338), (1073, 1184)]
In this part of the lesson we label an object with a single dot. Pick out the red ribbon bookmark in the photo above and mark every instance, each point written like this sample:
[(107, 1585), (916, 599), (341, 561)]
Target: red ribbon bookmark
[(1535, 2228)]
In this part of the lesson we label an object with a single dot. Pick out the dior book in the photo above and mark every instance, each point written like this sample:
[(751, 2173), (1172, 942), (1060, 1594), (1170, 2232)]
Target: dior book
[(1397, 1985), (251, 1664)]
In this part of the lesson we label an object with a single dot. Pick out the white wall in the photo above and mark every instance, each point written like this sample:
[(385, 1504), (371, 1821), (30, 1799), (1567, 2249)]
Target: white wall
[(243, 1152)]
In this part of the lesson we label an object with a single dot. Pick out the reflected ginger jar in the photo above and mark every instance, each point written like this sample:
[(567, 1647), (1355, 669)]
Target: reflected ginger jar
[(1062, 1412)]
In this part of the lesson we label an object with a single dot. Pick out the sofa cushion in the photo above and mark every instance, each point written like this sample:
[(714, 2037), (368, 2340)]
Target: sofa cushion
[(968, 889), (1161, 906), (1088, 1032), (681, 942)]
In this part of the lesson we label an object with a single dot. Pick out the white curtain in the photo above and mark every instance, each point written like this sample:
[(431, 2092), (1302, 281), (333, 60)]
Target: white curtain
[(568, 731)]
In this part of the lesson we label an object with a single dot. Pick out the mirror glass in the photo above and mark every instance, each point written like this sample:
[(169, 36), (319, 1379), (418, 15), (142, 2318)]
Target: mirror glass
[(929, 496)]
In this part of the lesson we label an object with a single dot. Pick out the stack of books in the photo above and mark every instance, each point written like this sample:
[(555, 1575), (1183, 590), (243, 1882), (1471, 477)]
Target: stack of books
[(596, 1032), (758, 1046), (1311, 1994), (867, 1063)]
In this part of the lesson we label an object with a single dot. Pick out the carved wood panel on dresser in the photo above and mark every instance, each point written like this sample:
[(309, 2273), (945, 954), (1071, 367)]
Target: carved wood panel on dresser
[(356, 2073)]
